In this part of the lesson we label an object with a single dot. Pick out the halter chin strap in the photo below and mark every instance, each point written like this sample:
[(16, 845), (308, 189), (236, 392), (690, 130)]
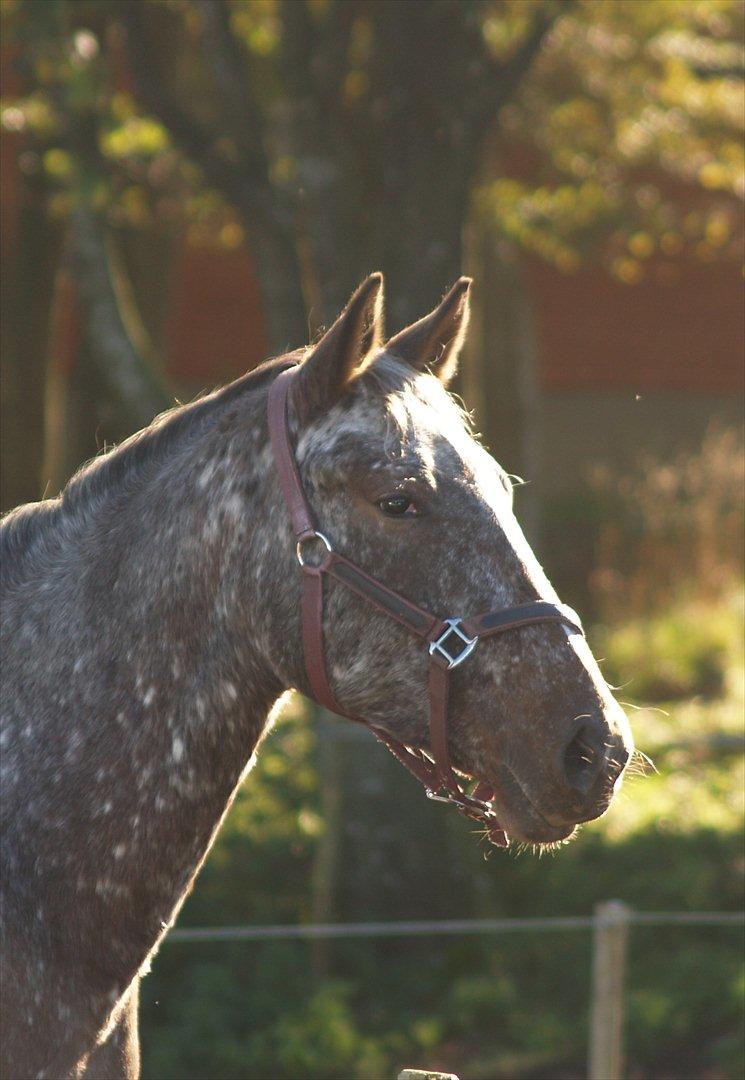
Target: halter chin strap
[(449, 641)]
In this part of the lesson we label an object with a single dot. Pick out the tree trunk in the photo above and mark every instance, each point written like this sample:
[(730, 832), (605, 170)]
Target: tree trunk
[(126, 373), (100, 386), (26, 298), (240, 173), (498, 376)]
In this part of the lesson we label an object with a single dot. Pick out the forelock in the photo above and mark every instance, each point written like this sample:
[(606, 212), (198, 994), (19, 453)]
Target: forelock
[(417, 414), (408, 393)]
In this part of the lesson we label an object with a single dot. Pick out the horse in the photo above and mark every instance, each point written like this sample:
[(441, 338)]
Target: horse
[(151, 624)]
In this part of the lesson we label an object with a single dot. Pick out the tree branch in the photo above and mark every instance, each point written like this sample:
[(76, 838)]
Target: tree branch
[(129, 378), (316, 58), (500, 80), (240, 110), (241, 178)]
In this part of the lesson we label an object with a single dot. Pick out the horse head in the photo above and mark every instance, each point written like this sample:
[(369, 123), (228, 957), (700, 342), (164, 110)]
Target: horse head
[(403, 489)]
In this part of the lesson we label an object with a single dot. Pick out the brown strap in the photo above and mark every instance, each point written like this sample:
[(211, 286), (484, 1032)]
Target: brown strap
[(538, 611), (284, 459), (414, 618), (313, 644), (439, 694), (414, 760)]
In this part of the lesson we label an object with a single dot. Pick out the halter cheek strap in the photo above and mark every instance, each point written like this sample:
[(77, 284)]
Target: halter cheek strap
[(449, 641)]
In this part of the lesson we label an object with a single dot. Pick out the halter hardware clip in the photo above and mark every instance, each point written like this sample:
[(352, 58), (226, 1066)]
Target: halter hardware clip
[(437, 647), (472, 807), (447, 798)]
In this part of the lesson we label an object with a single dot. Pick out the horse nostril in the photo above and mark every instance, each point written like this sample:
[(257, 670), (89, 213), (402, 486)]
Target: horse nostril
[(585, 756)]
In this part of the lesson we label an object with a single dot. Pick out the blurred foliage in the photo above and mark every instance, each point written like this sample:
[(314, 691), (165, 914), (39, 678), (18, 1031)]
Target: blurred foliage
[(631, 121), (624, 142), (671, 526), (85, 135), (632, 543), (674, 656)]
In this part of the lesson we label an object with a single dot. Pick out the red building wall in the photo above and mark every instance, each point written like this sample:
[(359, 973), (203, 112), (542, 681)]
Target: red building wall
[(593, 331), (596, 332), (214, 324)]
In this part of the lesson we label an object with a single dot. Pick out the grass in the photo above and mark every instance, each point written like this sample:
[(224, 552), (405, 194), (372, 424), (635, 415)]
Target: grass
[(683, 682), (686, 651)]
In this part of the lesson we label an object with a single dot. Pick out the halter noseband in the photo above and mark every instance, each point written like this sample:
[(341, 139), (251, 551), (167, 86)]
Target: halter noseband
[(449, 641)]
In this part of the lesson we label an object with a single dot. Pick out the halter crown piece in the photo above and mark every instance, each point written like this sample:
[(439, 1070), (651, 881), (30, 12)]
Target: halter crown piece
[(449, 641)]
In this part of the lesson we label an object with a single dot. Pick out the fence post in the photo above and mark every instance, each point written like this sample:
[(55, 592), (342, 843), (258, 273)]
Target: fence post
[(608, 969)]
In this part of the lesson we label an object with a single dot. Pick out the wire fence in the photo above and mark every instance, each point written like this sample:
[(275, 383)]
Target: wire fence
[(610, 925), (448, 926)]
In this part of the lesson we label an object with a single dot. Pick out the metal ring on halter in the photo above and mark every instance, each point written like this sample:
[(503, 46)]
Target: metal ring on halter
[(305, 539)]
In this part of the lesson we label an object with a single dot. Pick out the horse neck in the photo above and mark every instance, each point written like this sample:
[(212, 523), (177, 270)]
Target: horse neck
[(129, 739)]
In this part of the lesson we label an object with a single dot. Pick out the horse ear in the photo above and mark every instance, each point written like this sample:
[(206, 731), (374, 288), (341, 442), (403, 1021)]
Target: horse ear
[(332, 363), (434, 342)]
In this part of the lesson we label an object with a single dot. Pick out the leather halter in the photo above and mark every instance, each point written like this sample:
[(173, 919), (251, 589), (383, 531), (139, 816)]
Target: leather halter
[(449, 641)]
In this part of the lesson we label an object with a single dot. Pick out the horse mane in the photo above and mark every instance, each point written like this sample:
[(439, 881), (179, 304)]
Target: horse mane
[(112, 469), (122, 465)]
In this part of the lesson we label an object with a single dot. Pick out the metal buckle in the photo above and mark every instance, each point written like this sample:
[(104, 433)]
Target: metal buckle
[(468, 804), (445, 798), (452, 626), (311, 536)]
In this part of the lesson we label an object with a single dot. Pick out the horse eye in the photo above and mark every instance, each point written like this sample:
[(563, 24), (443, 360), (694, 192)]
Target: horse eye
[(397, 505)]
